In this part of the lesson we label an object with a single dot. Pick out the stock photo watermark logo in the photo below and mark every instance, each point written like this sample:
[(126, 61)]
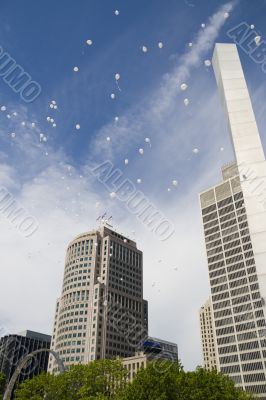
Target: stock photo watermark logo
[(17, 78), (26, 224), (245, 38), (135, 200)]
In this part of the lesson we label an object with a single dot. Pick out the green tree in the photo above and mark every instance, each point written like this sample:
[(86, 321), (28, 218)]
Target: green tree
[(99, 380), (170, 382), (2, 384)]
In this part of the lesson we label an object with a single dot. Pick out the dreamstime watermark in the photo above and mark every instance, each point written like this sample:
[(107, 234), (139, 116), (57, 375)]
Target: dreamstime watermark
[(244, 37), (134, 332), (26, 224), (256, 186), (17, 78), (135, 200)]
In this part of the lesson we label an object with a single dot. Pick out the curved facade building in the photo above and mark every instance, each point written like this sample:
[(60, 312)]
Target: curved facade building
[(101, 312)]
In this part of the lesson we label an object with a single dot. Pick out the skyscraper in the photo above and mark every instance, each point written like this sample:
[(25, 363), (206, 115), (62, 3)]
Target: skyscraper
[(13, 348), (101, 312), (208, 340), (234, 219)]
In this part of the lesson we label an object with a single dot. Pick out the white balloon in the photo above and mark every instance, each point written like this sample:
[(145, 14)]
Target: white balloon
[(147, 140), (3, 108), (112, 96), (144, 49), (126, 161), (33, 124), (116, 119), (139, 180), (41, 136), (207, 63), (203, 25), (112, 195), (117, 77), (54, 125), (13, 135), (15, 114), (53, 102), (195, 151), (168, 190), (190, 44), (51, 106), (257, 40), (226, 15), (77, 126), (183, 86), (174, 182), (108, 138), (51, 120), (76, 69), (221, 149), (48, 119), (23, 123), (186, 102), (116, 12), (8, 116), (55, 107), (160, 45), (141, 151), (89, 42), (252, 26)]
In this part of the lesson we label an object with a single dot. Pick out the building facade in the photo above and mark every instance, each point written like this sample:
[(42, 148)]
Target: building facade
[(238, 305), (101, 312), (208, 340), (14, 348), (153, 350), (161, 349)]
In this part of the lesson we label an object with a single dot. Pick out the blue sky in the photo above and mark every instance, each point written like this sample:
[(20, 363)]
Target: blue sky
[(51, 180)]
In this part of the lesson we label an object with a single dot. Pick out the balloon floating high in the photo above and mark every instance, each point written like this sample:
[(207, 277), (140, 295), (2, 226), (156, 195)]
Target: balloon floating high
[(76, 69), (126, 161), (207, 63), (77, 126), (112, 96), (183, 86), (160, 45), (141, 151), (195, 151), (257, 40), (116, 12), (144, 49), (89, 42), (186, 102), (174, 182)]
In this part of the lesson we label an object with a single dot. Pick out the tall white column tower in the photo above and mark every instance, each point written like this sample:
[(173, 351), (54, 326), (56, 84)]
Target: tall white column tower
[(234, 221), (248, 149)]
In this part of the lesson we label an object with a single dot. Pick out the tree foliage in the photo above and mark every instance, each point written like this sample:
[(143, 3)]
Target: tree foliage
[(2, 384), (106, 380), (168, 381), (99, 380)]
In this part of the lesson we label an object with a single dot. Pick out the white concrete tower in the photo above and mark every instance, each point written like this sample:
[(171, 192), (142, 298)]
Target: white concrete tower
[(248, 149), (234, 221)]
